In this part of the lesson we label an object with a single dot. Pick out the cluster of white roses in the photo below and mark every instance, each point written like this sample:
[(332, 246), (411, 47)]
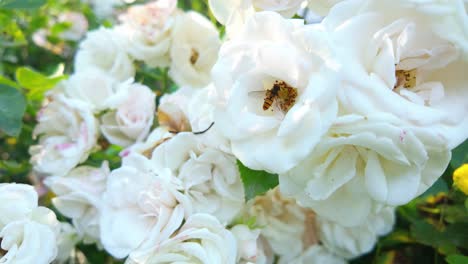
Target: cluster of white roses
[(357, 114)]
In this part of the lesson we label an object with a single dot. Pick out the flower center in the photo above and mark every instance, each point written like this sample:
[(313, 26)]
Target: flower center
[(281, 93), (405, 78), (194, 56)]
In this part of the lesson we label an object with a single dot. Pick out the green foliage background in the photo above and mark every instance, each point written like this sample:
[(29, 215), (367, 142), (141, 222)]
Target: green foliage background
[(431, 229)]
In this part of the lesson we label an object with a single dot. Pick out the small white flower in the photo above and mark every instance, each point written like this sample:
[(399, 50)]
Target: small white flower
[(79, 197), (194, 49), (202, 239), (67, 133), (209, 177), (147, 29), (405, 57), (269, 130), (103, 49), (27, 232), (351, 242), (133, 117), (363, 163), (139, 202), (94, 87)]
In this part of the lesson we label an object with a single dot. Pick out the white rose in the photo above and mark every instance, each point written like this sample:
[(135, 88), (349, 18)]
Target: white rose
[(407, 58), (132, 119), (147, 29), (194, 49), (364, 162), (94, 87), (274, 53), (201, 114), (288, 228), (27, 232), (139, 202), (79, 197), (351, 242), (67, 133), (202, 239), (173, 110), (209, 177), (224, 9), (316, 254), (103, 49)]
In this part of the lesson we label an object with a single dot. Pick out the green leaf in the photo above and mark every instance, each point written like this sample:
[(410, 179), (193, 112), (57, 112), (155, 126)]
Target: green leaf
[(457, 259), (256, 182), (12, 107), (453, 235), (8, 82), (21, 4), (36, 83), (459, 155)]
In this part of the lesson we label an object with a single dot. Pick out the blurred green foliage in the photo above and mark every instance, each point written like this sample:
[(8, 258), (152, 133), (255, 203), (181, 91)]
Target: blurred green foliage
[(431, 229)]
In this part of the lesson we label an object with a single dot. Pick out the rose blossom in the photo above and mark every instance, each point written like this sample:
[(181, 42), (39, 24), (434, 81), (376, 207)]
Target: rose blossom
[(201, 239), (140, 201), (132, 118), (67, 133), (272, 51), (103, 49), (147, 31), (407, 58), (27, 232), (209, 177), (79, 197), (194, 49), (94, 87), (364, 162)]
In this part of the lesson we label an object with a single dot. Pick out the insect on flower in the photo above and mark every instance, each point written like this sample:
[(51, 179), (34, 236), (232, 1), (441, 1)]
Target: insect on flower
[(282, 94)]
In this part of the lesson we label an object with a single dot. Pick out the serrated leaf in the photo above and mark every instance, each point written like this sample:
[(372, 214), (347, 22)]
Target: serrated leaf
[(21, 4), (36, 83), (256, 182), (12, 107), (457, 259)]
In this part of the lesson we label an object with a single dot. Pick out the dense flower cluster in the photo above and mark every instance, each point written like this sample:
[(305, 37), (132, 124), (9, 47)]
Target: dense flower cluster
[(356, 114)]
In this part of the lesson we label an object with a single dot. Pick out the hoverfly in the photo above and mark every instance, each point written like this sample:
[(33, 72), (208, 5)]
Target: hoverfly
[(282, 94)]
